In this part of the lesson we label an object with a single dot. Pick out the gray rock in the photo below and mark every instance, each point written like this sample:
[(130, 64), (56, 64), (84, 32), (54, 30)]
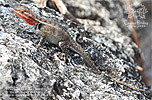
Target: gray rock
[(28, 72)]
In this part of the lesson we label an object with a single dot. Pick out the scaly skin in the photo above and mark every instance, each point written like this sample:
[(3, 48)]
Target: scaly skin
[(54, 33)]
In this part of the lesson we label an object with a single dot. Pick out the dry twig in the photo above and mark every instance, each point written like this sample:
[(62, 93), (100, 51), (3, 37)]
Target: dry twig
[(63, 10), (136, 40)]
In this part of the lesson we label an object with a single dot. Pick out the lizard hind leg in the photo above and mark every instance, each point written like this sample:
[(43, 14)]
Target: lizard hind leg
[(64, 47)]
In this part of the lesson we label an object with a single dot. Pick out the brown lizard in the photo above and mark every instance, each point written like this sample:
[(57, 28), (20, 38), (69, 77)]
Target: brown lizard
[(54, 33)]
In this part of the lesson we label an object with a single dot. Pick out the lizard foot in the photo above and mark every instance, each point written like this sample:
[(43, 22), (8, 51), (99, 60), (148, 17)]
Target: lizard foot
[(62, 56)]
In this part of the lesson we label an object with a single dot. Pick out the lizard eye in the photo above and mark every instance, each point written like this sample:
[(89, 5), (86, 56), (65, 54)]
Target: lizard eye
[(22, 12)]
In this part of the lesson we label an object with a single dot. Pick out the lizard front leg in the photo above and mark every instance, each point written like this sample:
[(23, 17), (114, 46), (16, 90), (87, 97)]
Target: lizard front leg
[(37, 31), (41, 42)]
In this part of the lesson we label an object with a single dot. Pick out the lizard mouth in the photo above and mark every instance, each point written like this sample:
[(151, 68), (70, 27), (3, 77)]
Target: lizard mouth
[(25, 15)]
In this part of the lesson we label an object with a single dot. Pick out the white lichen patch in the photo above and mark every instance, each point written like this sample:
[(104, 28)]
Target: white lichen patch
[(11, 49)]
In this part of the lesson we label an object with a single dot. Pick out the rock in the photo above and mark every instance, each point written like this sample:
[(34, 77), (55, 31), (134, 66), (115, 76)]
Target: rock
[(28, 72)]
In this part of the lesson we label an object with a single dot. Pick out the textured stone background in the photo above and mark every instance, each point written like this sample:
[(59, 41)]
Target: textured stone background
[(145, 38), (28, 72)]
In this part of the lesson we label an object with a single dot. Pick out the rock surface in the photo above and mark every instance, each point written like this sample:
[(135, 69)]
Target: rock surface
[(145, 39), (28, 72)]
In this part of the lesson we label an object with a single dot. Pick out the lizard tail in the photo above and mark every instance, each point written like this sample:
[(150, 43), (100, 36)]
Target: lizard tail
[(75, 47)]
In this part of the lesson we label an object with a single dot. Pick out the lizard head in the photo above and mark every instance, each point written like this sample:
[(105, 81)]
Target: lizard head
[(25, 13)]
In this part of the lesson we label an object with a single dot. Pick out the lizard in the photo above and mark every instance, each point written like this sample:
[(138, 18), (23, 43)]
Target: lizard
[(58, 35), (53, 32)]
